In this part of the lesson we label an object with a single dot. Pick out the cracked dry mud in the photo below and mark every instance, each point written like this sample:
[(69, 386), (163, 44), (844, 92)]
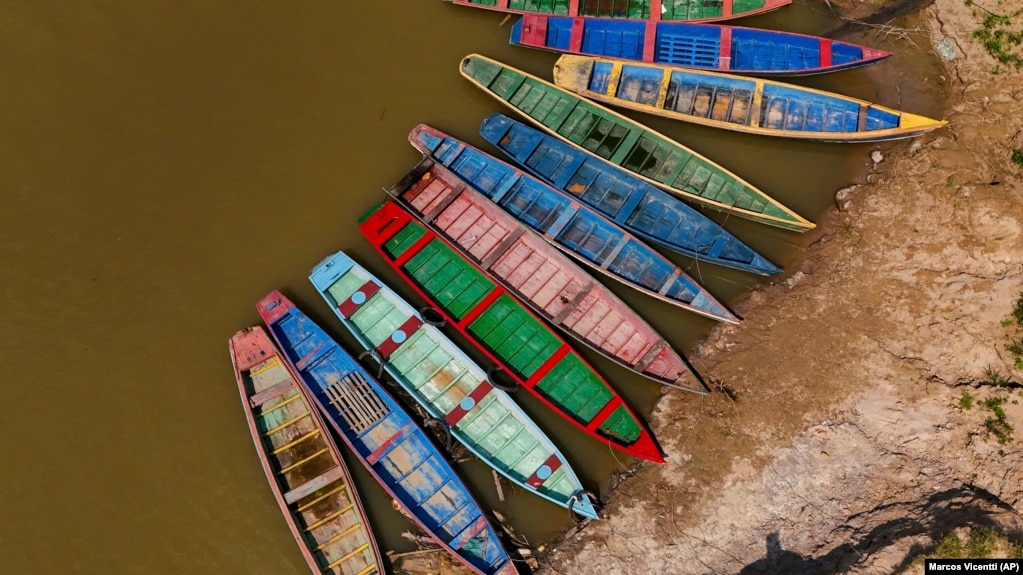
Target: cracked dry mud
[(835, 442)]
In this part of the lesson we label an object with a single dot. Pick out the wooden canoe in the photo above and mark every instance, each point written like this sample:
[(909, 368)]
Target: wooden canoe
[(307, 475), (648, 11), (382, 435), (749, 51), (639, 207), (626, 143), (520, 344), (737, 103), (448, 384), (540, 276), (574, 227)]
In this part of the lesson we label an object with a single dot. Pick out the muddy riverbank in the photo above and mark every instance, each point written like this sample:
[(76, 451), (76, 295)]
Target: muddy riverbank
[(839, 440)]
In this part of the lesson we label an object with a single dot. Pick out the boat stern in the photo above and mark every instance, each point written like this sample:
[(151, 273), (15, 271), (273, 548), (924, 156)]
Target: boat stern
[(327, 271)]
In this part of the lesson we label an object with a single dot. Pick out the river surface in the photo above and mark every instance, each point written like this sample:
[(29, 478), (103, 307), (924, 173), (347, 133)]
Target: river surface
[(165, 164)]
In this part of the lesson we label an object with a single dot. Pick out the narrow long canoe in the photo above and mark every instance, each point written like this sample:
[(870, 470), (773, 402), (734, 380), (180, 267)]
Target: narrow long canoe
[(750, 51), (574, 227), (392, 446), (626, 143), (520, 344), (737, 103), (540, 276), (448, 384), (642, 10), (637, 206), (307, 475)]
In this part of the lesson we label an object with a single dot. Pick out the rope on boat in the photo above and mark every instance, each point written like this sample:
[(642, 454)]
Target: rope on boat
[(492, 372), (434, 321), (445, 430), (377, 358)]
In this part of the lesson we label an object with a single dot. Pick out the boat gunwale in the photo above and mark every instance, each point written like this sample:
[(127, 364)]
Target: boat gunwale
[(348, 264), (797, 223), (271, 475), (646, 438), (415, 427)]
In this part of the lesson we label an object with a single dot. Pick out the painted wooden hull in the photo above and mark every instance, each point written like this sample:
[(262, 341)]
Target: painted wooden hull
[(736, 103), (749, 51), (307, 475), (637, 10), (541, 276), (448, 384), (521, 345), (637, 206), (626, 143), (574, 227), (392, 446)]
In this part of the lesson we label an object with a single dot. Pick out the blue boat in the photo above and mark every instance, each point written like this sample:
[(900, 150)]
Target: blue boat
[(749, 51), (637, 206), (576, 228), (392, 446), (448, 384)]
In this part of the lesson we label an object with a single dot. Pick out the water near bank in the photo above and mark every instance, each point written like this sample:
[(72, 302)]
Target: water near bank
[(165, 165)]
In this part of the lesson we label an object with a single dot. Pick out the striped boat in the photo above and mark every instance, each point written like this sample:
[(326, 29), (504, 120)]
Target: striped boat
[(650, 11), (736, 103), (540, 276), (392, 446), (749, 51), (307, 475), (523, 347), (637, 206), (576, 228), (626, 143), (449, 385)]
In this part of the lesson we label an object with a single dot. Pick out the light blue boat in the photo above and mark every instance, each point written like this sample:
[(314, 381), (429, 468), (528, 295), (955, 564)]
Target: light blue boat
[(578, 229), (395, 450), (634, 204), (449, 385)]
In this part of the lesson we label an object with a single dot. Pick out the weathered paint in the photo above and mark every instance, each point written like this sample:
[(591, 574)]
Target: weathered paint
[(737, 103), (395, 450), (448, 384), (306, 472), (749, 51), (572, 226), (542, 277), (642, 10), (518, 342), (626, 143), (637, 206)]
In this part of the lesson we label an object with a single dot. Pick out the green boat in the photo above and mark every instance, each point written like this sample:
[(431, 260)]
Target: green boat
[(519, 344), (627, 144), (448, 384)]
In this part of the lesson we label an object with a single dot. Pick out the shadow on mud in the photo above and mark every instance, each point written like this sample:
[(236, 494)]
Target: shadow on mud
[(939, 515)]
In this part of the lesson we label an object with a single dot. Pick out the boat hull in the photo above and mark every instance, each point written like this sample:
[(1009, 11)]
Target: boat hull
[(749, 51), (736, 103), (643, 209), (626, 143), (385, 439), (448, 384), (307, 475), (520, 345)]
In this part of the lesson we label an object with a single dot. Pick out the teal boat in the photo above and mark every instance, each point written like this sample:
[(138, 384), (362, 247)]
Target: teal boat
[(449, 385)]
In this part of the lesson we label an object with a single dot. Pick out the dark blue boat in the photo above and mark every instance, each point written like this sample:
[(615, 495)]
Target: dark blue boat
[(392, 446), (749, 51), (637, 206), (578, 229)]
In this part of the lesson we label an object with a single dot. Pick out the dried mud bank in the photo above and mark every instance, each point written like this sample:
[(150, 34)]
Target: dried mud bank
[(836, 442)]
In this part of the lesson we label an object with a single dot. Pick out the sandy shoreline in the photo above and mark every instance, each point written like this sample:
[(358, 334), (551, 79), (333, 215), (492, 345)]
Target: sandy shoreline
[(836, 441)]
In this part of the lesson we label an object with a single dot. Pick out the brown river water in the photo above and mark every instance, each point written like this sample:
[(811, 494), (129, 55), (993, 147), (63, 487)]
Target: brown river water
[(165, 164)]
